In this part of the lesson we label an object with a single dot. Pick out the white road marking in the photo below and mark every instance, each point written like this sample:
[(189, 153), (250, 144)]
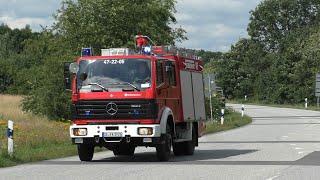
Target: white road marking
[(298, 148), (273, 177), (293, 144), (300, 152)]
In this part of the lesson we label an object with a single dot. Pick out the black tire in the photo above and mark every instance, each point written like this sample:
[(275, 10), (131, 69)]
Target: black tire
[(164, 150), (124, 150), (85, 152), (190, 145), (178, 148)]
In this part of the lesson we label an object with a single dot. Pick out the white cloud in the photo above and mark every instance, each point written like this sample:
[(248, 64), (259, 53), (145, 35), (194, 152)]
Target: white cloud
[(19, 23), (214, 24), (17, 14)]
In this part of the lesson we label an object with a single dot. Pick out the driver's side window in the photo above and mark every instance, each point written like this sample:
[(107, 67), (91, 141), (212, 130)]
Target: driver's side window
[(160, 78)]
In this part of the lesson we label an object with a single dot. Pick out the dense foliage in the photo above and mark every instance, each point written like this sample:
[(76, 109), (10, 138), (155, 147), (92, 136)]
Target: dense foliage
[(279, 60)]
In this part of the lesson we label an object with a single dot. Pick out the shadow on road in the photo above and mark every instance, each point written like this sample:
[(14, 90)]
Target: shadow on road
[(201, 157)]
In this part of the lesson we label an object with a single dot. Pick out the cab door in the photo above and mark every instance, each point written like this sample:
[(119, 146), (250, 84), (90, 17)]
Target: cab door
[(161, 86), (173, 89)]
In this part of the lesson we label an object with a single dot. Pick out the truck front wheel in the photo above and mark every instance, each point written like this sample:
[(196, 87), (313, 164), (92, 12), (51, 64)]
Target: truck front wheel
[(85, 152), (164, 149)]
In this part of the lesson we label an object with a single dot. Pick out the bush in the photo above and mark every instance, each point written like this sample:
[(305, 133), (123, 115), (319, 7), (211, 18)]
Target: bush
[(217, 104)]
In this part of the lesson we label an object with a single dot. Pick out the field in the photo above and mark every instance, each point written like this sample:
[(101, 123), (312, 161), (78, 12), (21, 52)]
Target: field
[(35, 137)]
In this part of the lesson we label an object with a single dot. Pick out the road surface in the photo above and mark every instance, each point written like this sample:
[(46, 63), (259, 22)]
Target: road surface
[(279, 144)]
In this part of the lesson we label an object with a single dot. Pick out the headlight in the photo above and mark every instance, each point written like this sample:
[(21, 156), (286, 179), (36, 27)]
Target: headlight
[(145, 131), (80, 131)]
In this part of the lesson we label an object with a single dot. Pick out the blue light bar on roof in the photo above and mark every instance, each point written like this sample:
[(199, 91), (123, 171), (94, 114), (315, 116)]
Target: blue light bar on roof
[(86, 52)]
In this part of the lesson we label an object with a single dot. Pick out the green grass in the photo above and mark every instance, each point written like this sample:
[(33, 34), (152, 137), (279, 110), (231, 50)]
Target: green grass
[(35, 137), (42, 152), (232, 120)]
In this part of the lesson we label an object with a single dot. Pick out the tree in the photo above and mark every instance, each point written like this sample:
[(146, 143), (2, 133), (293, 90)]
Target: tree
[(46, 94), (273, 20), (208, 56), (114, 23)]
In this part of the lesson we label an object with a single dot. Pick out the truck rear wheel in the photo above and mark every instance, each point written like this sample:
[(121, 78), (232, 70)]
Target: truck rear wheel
[(85, 152), (164, 149), (178, 148), (190, 145), (124, 150)]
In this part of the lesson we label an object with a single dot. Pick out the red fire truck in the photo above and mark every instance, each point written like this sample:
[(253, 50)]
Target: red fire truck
[(123, 99)]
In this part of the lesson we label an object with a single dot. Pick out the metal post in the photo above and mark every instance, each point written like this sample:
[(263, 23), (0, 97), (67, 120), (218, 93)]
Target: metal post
[(222, 116), (10, 137), (317, 101), (242, 110), (306, 103), (210, 98)]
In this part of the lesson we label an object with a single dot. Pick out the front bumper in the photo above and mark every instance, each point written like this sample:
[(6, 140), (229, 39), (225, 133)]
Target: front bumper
[(127, 130)]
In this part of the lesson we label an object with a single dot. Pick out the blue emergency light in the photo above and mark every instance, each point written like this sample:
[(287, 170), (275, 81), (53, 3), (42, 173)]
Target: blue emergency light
[(86, 52), (146, 50)]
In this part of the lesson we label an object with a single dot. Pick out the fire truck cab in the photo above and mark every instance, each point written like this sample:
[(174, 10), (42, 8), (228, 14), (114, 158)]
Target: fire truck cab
[(123, 99)]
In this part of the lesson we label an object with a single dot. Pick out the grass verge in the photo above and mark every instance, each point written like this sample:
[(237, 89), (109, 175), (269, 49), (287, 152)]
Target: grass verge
[(232, 120), (35, 138)]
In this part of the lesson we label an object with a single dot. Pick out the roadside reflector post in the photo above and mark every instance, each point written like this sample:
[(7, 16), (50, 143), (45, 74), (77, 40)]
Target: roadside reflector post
[(222, 116), (242, 110), (10, 137), (306, 103), (245, 97), (210, 98)]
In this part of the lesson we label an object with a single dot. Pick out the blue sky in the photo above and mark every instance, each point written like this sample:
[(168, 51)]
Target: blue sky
[(210, 24)]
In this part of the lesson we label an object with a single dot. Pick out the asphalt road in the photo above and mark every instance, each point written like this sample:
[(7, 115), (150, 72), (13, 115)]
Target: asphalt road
[(279, 144)]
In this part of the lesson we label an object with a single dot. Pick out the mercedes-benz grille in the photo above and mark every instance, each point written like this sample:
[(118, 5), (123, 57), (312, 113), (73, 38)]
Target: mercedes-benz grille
[(115, 109)]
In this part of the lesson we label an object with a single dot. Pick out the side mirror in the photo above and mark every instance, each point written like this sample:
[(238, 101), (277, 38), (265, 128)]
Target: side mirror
[(67, 76), (74, 68)]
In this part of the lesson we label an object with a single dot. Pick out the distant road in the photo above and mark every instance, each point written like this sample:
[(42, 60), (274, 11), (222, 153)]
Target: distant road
[(280, 144)]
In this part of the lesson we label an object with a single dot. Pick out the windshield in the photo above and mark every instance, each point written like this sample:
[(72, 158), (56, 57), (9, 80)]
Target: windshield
[(111, 74)]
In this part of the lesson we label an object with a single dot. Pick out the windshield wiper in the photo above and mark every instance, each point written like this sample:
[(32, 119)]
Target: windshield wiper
[(135, 87), (126, 83), (99, 85)]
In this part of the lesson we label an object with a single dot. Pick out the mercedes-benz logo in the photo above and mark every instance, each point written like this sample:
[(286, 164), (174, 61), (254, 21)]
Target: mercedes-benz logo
[(112, 108)]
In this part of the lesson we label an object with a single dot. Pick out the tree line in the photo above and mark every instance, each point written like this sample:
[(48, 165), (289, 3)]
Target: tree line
[(278, 62)]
